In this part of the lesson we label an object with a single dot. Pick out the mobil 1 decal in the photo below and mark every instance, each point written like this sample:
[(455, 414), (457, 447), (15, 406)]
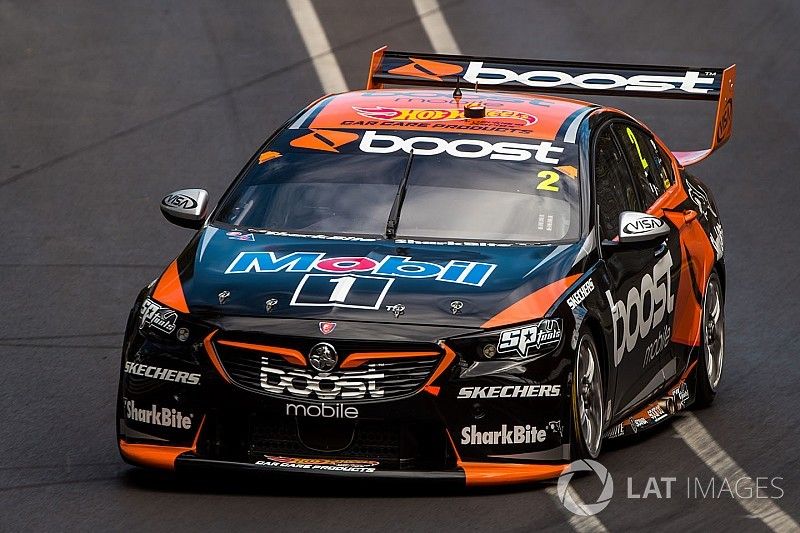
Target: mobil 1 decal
[(356, 282)]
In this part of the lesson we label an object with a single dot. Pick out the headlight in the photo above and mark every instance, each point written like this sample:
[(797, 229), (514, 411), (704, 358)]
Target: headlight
[(522, 342)]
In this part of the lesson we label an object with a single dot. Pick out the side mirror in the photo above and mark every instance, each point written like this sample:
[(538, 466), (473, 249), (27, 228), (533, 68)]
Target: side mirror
[(186, 208), (642, 228)]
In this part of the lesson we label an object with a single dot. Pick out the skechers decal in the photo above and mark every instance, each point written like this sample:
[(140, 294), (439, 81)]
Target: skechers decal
[(510, 391), (580, 295), (166, 374)]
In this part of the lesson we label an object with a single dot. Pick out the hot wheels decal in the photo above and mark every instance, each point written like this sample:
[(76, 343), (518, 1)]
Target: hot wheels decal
[(429, 115)]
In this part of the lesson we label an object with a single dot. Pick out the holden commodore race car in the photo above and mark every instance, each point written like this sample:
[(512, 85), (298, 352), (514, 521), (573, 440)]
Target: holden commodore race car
[(454, 274)]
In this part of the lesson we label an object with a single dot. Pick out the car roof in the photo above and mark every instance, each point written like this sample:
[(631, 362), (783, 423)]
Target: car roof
[(436, 110)]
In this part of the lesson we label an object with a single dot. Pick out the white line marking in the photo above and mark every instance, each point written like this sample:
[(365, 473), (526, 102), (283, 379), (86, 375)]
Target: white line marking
[(711, 453), (439, 34), (578, 523), (317, 45)]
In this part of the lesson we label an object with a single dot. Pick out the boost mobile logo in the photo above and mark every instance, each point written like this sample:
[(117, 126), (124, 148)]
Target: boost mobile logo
[(638, 320), (689, 83), (375, 143), (324, 386)]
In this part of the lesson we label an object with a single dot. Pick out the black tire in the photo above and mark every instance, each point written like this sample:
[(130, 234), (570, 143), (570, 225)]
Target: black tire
[(712, 343), (588, 399)]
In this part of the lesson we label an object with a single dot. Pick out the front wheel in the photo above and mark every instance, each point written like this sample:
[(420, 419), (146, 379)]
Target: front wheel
[(712, 346), (587, 401)]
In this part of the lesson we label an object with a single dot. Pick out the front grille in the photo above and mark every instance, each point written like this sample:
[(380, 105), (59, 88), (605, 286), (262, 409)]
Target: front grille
[(273, 375), (392, 444)]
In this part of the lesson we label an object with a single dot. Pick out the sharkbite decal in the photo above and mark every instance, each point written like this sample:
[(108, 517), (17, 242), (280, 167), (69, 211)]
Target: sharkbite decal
[(393, 266)]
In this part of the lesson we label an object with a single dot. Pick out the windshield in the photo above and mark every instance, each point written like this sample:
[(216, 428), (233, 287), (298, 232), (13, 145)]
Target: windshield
[(459, 187)]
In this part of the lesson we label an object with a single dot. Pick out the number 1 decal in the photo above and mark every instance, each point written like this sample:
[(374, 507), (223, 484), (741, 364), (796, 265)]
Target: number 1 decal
[(343, 286), (357, 292), (549, 181)]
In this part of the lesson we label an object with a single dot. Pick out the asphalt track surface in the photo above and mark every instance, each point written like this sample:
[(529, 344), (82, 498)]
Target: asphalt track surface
[(107, 106)]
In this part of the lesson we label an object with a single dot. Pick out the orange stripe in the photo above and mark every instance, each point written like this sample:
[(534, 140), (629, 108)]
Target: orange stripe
[(478, 474), (169, 290), (156, 456), (534, 305), (449, 357), (212, 354), (292, 356), (357, 359)]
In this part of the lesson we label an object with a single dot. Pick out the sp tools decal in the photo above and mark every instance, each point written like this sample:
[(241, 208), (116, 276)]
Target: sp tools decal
[(461, 272), (427, 69), (324, 140), (430, 115), (157, 316), (546, 333)]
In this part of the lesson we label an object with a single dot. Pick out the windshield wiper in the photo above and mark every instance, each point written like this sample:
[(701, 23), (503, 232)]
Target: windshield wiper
[(394, 214)]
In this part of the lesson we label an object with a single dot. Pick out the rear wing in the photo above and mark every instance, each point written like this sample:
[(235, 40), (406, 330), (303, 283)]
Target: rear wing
[(556, 77)]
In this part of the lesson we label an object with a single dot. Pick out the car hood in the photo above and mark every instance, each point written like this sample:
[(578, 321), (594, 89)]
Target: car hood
[(456, 284)]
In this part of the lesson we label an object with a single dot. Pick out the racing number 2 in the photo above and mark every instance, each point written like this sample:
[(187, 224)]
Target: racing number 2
[(549, 181)]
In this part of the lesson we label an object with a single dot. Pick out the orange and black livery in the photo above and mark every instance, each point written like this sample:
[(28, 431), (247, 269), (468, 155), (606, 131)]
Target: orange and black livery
[(458, 273)]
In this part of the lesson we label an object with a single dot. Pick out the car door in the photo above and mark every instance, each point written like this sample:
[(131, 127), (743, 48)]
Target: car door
[(652, 178), (639, 278)]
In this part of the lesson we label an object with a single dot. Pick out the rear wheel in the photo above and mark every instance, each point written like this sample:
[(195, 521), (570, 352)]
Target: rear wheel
[(587, 401), (712, 346)]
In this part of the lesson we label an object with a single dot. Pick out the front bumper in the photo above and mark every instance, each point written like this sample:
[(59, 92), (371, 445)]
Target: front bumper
[(464, 423)]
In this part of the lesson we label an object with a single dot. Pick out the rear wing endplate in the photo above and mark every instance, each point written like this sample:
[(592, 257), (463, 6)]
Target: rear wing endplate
[(557, 77)]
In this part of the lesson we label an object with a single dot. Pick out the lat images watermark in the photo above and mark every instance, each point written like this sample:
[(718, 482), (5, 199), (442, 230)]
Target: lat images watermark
[(692, 488), (576, 506)]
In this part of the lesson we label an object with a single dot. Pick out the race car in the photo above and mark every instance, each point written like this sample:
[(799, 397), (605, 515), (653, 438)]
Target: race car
[(453, 275)]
